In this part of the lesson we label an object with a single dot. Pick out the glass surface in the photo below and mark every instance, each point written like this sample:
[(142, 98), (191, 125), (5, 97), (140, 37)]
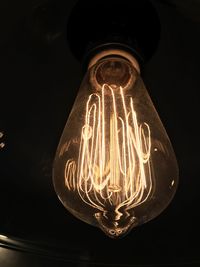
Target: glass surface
[(114, 167), (38, 86)]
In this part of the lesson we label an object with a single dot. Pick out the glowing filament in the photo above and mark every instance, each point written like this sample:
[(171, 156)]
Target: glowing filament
[(113, 168)]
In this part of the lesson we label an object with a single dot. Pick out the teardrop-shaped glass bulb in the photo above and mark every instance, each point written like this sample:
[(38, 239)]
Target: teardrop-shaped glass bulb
[(114, 167)]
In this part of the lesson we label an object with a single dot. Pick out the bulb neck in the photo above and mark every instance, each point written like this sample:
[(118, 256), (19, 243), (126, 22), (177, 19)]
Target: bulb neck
[(106, 49), (113, 67), (114, 52)]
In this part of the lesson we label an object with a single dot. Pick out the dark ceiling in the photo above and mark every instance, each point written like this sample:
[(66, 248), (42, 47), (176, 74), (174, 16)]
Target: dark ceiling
[(39, 80)]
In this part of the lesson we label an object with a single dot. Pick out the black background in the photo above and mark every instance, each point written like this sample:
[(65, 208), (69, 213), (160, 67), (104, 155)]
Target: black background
[(39, 80)]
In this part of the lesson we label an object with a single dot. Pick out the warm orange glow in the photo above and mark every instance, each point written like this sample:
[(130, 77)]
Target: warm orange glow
[(113, 167)]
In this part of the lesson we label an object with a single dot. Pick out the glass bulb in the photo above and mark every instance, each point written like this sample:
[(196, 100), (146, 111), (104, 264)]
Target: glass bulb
[(114, 167)]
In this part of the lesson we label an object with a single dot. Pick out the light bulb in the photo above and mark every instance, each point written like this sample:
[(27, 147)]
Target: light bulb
[(114, 167)]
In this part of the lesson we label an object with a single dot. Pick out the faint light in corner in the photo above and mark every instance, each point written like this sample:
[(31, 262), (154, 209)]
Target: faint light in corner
[(3, 237)]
